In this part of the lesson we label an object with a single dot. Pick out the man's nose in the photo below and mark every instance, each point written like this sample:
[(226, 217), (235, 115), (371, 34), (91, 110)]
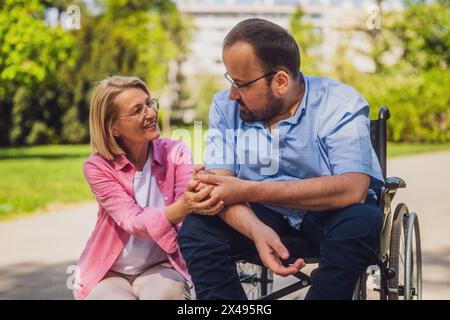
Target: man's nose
[(234, 93)]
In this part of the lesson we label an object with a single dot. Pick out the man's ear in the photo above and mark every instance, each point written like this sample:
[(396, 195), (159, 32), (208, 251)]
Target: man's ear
[(281, 80)]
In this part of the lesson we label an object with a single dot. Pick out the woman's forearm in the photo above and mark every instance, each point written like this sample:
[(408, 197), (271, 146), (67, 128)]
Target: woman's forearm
[(176, 212)]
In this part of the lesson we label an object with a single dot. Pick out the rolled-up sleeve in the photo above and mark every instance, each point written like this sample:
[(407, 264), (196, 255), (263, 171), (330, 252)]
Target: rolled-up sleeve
[(184, 168), (347, 140), (220, 142)]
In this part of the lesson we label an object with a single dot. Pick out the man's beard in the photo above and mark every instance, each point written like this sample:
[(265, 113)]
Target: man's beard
[(273, 107)]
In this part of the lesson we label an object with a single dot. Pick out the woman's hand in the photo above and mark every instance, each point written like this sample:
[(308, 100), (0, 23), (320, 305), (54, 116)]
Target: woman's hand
[(200, 202)]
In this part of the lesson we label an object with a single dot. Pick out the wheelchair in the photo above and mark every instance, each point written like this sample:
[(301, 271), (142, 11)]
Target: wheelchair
[(398, 272)]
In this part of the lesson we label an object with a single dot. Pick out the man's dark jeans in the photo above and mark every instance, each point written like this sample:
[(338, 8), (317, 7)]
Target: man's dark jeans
[(346, 240)]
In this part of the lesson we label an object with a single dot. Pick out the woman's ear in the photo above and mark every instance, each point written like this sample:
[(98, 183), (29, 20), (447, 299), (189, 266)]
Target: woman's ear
[(115, 132)]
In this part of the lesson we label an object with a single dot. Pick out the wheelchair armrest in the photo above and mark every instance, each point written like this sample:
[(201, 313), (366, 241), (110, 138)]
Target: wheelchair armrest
[(395, 183)]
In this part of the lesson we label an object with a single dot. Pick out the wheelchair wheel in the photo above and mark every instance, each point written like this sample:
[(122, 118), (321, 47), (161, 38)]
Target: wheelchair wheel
[(253, 279), (405, 256)]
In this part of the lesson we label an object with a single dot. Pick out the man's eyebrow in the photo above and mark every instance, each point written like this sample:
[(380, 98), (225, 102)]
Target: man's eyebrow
[(235, 78)]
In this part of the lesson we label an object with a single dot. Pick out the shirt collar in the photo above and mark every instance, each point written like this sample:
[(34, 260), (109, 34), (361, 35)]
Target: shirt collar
[(157, 149), (296, 117), (121, 161)]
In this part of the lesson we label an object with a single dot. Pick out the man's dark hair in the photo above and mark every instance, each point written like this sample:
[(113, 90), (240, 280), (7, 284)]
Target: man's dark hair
[(273, 46)]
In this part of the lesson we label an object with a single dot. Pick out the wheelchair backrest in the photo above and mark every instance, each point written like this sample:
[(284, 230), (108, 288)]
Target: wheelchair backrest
[(378, 136)]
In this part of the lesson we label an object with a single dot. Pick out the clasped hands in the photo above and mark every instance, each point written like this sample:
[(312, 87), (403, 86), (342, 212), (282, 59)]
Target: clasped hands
[(208, 194)]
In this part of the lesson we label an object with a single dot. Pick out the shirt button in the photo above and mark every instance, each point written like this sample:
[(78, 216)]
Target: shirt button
[(159, 181), (165, 198)]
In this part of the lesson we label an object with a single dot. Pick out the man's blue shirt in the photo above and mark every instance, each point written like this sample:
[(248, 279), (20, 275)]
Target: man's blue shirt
[(328, 135)]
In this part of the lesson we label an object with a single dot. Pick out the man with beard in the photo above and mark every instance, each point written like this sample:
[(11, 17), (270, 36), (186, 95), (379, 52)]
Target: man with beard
[(291, 157)]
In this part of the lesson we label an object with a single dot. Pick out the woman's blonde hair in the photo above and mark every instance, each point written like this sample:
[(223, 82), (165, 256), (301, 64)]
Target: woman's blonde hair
[(103, 112)]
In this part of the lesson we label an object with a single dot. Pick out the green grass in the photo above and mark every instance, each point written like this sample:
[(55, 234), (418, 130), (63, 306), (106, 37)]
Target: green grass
[(403, 149), (33, 178)]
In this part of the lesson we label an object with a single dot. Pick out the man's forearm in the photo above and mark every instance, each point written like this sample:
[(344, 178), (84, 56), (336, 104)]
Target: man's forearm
[(238, 216), (315, 194), (241, 218)]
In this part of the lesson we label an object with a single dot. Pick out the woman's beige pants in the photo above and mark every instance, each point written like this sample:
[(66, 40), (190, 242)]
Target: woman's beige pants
[(160, 282)]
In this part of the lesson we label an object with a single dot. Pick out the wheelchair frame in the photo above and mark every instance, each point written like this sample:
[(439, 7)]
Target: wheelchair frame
[(399, 260)]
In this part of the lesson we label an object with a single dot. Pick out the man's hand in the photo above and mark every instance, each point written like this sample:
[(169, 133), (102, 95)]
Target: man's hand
[(271, 250), (230, 190), (200, 169)]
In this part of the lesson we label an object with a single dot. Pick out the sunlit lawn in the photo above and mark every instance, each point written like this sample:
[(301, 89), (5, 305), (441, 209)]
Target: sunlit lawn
[(31, 178), (403, 149), (34, 177)]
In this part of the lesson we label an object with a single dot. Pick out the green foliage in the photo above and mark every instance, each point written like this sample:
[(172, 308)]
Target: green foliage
[(308, 38), (73, 130), (419, 104), (127, 38), (41, 134), (208, 85), (415, 87), (46, 73), (30, 52), (424, 29), (20, 114)]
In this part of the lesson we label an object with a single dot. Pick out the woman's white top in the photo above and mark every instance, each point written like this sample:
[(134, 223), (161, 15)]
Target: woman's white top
[(140, 254)]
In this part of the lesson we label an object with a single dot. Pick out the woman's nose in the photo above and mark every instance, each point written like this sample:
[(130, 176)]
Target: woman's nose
[(150, 112)]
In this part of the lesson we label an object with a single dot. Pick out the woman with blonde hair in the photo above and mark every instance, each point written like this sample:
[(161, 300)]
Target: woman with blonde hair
[(144, 187)]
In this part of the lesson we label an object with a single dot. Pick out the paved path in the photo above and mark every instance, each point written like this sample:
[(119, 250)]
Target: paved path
[(35, 252), (428, 194)]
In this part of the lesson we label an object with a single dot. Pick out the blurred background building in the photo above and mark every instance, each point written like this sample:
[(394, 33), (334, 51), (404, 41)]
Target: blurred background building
[(213, 19)]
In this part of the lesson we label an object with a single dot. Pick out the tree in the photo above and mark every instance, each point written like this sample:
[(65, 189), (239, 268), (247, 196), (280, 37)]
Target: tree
[(207, 86), (127, 37), (308, 39), (30, 54), (425, 34), (47, 73), (415, 87)]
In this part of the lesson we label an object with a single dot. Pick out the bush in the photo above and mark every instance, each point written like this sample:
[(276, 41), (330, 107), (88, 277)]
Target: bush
[(41, 134), (203, 96), (419, 104), (73, 131)]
